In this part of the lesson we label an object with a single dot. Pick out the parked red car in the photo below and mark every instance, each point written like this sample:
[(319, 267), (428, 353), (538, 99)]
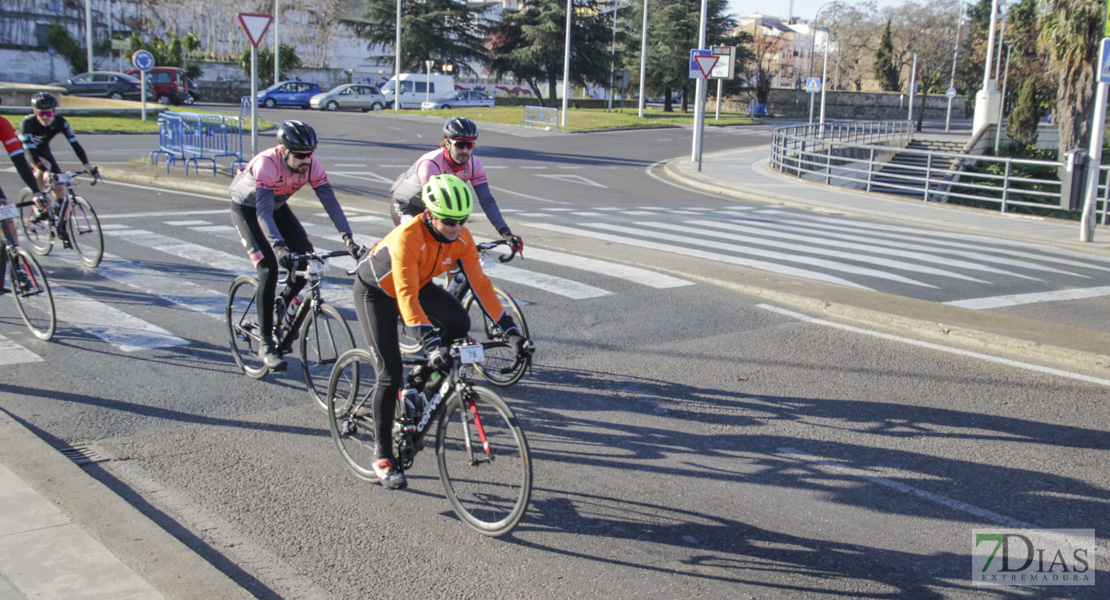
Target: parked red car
[(170, 85)]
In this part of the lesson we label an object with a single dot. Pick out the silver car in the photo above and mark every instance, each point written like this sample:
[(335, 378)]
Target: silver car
[(349, 96), (459, 99)]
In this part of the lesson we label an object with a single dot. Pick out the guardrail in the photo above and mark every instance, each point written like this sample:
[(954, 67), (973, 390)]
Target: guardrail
[(194, 137), (541, 116), (858, 156)]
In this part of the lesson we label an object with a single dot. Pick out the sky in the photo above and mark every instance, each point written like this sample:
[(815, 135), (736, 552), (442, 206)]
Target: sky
[(804, 9)]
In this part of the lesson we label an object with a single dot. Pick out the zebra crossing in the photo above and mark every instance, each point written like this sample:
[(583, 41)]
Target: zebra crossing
[(185, 241), (961, 269), (951, 267)]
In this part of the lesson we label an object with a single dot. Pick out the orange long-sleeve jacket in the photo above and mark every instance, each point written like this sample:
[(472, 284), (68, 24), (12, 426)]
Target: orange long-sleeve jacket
[(409, 257)]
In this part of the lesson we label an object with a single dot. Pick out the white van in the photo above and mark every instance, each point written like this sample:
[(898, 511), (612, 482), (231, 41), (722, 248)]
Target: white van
[(418, 87)]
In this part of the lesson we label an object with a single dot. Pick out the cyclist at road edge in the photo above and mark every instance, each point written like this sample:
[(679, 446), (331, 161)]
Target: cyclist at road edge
[(395, 279), (14, 148), (267, 226), (36, 131)]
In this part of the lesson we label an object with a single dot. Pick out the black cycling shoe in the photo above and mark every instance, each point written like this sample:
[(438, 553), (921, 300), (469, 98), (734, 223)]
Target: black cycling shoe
[(389, 475), (22, 281), (270, 355), (39, 216)]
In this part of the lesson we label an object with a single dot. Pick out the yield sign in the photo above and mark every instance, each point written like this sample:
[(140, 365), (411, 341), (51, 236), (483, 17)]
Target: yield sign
[(255, 26), (706, 62)]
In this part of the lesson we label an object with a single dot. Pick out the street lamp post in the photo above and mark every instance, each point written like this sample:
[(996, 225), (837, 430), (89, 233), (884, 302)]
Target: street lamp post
[(824, 81), (955, 55), (913, 83), (397, 67), (277, 46), (428, 82), (566, 68), (643, 59), (88, 33), (1002, 101)]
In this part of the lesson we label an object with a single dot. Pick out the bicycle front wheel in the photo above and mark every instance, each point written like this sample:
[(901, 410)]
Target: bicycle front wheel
[(484, 462), (32, 294), (84, 232), (350, 389), (502, 366), (243, 329), (38, 235), (325, 336)]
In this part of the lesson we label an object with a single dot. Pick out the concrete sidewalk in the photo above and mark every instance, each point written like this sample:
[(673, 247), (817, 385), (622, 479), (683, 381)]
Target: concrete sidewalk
[(64, 534)]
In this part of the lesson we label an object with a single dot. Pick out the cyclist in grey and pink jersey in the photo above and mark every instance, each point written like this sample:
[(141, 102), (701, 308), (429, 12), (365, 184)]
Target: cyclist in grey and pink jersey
[(269, 230), (455, 156)]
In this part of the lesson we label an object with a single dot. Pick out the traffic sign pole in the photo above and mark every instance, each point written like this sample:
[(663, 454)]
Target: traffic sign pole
[(255, 27), (1094, 155), (143, 60)]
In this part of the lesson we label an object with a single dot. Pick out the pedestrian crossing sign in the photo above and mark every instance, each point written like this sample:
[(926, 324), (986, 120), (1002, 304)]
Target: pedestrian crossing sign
[(813, 85)]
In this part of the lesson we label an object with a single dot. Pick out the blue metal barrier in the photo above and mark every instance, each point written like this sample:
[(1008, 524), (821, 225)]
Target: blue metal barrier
[(541, 116), (171, 139), (193, 137)]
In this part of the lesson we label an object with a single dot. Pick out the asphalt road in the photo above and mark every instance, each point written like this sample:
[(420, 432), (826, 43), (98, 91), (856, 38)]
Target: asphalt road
[(689, 441)]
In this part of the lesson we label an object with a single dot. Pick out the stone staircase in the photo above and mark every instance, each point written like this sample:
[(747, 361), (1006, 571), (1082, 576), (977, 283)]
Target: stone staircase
[(904, 175)]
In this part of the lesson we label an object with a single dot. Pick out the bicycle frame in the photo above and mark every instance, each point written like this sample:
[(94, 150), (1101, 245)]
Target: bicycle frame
[(313, 273)]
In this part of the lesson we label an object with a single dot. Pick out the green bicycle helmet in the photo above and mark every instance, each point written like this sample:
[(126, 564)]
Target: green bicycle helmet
[(448, 197)]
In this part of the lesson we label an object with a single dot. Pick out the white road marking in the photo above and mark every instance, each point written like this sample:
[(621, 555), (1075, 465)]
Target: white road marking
[(809, 249), (771, 230), (746, 251), (714, 256), (938, 347), (192, 223), (575, 179), (126, 332), (601, 267), (1031, 298), (12, 353)]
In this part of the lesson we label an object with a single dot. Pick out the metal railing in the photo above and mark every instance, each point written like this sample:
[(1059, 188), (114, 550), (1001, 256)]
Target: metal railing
[(541, 116), (193, 137), (858, 156)]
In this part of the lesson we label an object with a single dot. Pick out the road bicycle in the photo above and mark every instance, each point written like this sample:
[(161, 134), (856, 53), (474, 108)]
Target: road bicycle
[(71, 220), (503, 366), (28, 283), (323, 333), (481, 452)]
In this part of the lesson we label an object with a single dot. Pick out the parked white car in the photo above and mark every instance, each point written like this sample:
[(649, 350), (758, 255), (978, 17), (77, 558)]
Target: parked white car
[(459, 99), (349, 96)]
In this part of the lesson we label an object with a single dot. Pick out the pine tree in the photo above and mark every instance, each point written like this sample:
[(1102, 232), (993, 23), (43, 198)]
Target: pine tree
[(886, 70), (1022, 124)]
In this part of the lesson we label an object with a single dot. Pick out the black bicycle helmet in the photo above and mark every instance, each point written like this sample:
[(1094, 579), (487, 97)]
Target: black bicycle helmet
[(44, 101), (460, 128), (297, 136)]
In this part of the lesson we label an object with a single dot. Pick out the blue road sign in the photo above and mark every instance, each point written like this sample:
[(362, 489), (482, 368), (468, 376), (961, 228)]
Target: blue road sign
[(143, 60), (813, 85)]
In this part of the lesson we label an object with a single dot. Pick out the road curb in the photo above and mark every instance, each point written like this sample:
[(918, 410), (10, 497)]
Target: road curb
[(172, 568)]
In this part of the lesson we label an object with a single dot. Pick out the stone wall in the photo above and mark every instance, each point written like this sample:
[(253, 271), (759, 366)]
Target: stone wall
[(877, 106)]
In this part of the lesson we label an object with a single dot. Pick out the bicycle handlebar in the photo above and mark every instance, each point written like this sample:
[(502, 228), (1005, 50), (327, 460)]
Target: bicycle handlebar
[(307, 257), (69, 176), (484, 246)]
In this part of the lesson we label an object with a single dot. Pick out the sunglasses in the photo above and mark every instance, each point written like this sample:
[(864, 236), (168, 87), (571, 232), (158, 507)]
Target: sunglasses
[(301, 155), (46, 113), (463, 145), (452, 222)]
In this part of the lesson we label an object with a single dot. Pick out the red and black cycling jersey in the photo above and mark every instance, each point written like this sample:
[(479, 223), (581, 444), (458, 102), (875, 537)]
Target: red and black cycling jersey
[(36, 139), (14, 149)]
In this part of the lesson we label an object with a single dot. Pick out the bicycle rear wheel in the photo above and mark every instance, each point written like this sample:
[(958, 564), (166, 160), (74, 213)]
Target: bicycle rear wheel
[(32, 294), (502, 367), (351, 424), (84, 232), (484, 462), (243, 330), (38, 235), (325, 336)]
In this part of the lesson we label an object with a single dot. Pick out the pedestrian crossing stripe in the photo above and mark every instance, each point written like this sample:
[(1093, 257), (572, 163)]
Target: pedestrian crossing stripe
[(12, 353)]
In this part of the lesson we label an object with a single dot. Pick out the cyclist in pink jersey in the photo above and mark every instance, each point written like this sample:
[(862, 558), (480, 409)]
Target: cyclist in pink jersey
[(455, 156), (267, 226)]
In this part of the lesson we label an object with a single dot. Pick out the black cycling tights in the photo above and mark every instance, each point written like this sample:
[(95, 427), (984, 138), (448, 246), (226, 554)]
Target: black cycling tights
[(377, 315), (245, 220)]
